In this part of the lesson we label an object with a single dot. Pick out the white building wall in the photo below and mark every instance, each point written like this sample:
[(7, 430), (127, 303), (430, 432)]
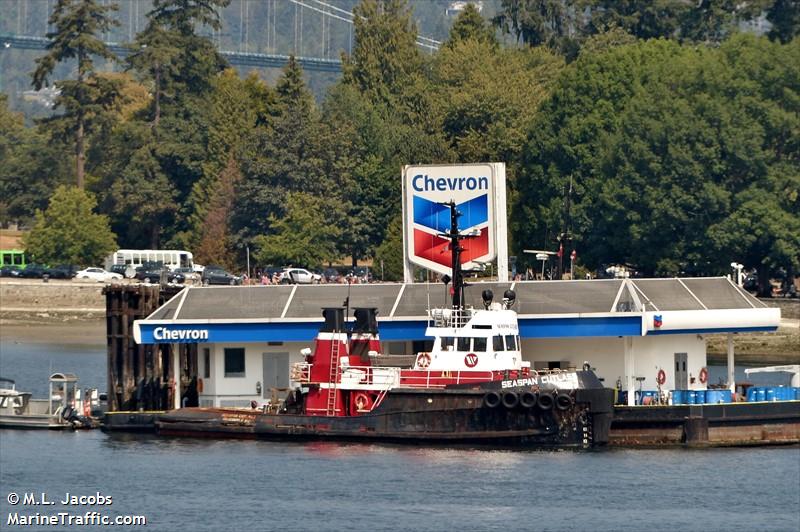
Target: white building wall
[(219, 390), (606, 357)]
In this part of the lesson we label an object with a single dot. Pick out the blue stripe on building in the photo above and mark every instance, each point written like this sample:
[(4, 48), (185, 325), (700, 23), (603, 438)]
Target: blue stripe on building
[(389, 330)]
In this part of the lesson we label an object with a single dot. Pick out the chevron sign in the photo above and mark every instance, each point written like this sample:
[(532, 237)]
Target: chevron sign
[(473, 189)]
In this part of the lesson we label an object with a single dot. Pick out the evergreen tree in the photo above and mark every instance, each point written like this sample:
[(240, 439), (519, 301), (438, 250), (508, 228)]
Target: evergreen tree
[(385, 53), (69, 232), (78, 25), (215, 243), (470, 25), (30, 167), (784, 15), (280, 157), (305, 236)]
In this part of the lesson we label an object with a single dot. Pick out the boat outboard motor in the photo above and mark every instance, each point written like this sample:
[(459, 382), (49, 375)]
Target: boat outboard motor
[(509, 298), (487, 296)]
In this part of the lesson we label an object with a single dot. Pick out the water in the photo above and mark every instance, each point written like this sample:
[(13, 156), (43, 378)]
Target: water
[(180, 484)]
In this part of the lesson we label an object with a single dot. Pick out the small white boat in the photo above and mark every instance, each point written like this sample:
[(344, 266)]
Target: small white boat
[(18, 410)]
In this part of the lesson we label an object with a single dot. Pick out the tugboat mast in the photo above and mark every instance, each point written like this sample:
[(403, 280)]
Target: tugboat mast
[(455, 253)]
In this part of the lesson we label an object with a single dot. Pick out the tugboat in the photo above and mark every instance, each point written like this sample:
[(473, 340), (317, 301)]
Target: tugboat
[(473, 386)]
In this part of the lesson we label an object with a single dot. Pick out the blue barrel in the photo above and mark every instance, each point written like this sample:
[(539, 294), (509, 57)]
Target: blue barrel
[(652, 394), (713, 397), (726, 396), (700, 398), (780, 394), (622, 398), (761, 394), (678, 397), (751, 394), (797, 394), (769, 394), (691, 397)]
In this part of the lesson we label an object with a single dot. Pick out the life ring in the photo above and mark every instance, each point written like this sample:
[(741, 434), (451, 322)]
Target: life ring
[(362, 402), (703, 375), (423, 360), (662, 377), (199, 385)]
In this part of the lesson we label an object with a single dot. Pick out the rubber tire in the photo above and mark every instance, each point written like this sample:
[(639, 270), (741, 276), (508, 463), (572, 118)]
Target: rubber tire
[(546, 401), (492, 400), (528, 399), (205, 282), (563, 401), (510, 400), (146, 280), (233, 282)]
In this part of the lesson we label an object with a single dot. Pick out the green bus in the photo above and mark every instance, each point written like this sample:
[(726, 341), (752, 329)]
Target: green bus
[(14, 258)]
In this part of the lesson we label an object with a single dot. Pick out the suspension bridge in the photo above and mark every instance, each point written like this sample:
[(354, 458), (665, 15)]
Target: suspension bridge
[(254, 33)]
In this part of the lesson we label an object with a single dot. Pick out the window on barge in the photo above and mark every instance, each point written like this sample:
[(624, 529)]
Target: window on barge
[(234, 362), (447, 343), (462, 344)]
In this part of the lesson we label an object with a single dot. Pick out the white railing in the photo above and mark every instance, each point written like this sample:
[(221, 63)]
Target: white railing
[(450, 317)]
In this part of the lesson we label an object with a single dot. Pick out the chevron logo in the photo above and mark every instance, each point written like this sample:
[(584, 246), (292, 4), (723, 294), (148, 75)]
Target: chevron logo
[(437, 217), (437, 249)]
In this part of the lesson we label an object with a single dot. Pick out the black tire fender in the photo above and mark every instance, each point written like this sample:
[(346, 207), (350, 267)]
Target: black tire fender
[(563, 401), (528, 399), (492, 400), (510, 399), (546, 401)]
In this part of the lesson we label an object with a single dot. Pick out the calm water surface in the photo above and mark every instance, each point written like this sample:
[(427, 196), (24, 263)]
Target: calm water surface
[(184, 484)]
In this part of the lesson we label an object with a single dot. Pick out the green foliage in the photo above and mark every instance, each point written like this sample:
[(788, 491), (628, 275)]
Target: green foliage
[(539, 22), (784, 15), (390, 252), (665, 145), (385, 55), (279, 157), (306, 236), (30, 167), (470, 26), (87, 100), (69, 232), (644, 20)]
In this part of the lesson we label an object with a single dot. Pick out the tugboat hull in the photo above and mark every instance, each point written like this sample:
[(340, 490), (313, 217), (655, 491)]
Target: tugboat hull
[(428, 415)]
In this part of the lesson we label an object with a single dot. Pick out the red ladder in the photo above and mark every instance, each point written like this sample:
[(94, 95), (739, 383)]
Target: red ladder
[(333, 377)]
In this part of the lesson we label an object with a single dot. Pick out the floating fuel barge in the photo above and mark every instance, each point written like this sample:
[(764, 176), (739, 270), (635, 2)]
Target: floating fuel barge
[(471, 387)]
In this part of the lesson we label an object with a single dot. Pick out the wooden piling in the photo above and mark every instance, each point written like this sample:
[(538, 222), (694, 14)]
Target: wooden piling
[(136, 376)]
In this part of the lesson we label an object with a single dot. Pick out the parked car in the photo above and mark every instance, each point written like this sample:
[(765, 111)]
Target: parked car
[(151, 274), (98, 274), (33, 271), (9, 271), (299, 276), (332, 275), (118, 268), (189, 275), (216, 275), (62, 271)]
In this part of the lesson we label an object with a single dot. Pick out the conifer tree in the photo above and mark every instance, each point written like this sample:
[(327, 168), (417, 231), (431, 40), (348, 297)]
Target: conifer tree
[(78, 23)]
